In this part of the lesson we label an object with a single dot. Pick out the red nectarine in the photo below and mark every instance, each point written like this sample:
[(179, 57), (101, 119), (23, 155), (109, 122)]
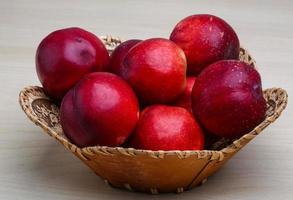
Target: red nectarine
[(227, 98), (105, 107), (65, 56), (117, 56), (205, 39), (156, 69), (167, 128)]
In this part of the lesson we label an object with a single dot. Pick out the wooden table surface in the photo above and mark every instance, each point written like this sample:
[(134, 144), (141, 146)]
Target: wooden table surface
[(34, 166)]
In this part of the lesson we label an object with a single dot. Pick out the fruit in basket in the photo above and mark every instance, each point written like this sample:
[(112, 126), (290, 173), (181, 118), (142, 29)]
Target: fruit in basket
[(65, 56), (205, 39), (117, 57), (163, 127), (156, 69), (184, 100), (227, 98), (70, 123), (106, 108)]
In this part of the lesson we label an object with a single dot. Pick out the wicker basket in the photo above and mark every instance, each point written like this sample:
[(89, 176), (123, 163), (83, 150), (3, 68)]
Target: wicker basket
[(145, 170)]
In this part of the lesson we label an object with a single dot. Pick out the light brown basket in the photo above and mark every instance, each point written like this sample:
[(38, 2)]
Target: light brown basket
[(145, 170)]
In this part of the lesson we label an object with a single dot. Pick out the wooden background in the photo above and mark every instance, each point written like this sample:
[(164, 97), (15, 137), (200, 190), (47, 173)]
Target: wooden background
[(34, 166)]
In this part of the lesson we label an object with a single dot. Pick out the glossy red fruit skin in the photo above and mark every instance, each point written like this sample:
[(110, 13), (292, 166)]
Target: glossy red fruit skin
[(227, 98), (71, 125), (106, 107), (156, 70), (163, 127), (117, 56), (184, 100), (205, 39), (65, 56)]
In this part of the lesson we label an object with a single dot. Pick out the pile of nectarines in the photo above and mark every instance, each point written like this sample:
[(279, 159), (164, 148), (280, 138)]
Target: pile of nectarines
[(156, 94)]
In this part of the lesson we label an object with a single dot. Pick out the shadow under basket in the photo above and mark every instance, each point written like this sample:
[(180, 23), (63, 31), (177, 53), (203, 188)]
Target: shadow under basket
[(145, 170)]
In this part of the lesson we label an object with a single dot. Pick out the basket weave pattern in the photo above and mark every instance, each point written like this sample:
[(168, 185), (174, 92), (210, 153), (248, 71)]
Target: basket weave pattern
[(145, 170)]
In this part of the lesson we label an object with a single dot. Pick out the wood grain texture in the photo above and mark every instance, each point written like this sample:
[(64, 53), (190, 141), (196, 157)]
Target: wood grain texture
[(33, 166)]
